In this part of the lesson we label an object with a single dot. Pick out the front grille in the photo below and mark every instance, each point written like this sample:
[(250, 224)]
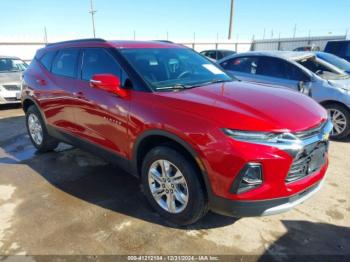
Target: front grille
[(309, 161), (12, 87), (11, 99)]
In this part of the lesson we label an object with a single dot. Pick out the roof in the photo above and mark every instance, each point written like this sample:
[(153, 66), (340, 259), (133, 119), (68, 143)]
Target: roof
[(221, 50), (143, 44), (98, 42), (288, 55)]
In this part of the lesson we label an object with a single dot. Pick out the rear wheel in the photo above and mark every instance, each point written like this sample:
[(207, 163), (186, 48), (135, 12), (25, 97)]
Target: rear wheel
[(37, 131), (172, 186), (340, 117)]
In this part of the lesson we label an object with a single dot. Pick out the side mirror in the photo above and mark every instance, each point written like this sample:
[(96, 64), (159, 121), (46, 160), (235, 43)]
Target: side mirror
[(301, 86), (109, 83), (304, 89)]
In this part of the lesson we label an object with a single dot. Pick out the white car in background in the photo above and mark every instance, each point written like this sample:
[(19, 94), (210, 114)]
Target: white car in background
[(11, 69)]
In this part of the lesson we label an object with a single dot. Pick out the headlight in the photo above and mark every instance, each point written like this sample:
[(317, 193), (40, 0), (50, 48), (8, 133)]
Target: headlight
[(260, 137), (283, 141), (346, 90)]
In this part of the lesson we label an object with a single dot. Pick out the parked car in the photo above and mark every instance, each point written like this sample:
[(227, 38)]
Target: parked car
[(307, 48), (300, 71), (196, 138), (335, 60), (11, 69), (339, 48), (217, 54)]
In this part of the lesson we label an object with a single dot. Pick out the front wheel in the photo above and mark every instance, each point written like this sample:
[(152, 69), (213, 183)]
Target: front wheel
[(340, 117), (171, 185)]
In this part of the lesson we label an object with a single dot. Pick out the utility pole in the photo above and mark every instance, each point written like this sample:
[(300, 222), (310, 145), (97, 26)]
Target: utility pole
[(45, 35), (93, 12), (230, 30), (264, 33), (295, 30)]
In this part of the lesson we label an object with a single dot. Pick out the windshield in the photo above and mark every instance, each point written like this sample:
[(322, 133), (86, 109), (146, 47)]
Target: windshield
[(167, 68), (12, 65), (322, 70), (335, 60)]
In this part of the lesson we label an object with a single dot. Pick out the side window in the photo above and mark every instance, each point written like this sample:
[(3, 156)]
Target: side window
[(65, 63), (98, 61), (219, 55), (46, 59), (212, 54), (241, 64), (272, 67), (295, 73)]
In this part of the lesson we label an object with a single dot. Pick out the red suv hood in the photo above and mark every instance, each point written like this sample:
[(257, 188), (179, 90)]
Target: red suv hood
[(245, 106)]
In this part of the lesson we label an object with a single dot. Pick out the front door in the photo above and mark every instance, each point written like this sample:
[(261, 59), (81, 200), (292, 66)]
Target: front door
[(101, 115)]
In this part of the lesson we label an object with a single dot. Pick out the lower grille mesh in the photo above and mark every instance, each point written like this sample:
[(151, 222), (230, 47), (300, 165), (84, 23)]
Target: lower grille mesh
[(309, 161)]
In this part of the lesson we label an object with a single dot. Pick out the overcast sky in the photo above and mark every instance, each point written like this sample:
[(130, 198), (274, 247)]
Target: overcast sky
[(152, 19)]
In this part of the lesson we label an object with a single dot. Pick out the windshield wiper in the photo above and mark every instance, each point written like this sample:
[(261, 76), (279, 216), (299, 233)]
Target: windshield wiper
[(174, 87), (216, 81), (182, 86)]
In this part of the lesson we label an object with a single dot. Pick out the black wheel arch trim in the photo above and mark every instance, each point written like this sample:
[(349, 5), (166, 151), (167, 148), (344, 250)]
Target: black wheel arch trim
[(329, 102), (177, 139), (27, 97)]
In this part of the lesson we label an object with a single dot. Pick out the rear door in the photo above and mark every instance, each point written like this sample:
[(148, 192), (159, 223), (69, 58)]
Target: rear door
[(59, 88), (102, 116)]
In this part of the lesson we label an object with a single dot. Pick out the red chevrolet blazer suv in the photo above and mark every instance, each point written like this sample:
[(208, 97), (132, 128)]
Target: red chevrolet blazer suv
[(197, 139)]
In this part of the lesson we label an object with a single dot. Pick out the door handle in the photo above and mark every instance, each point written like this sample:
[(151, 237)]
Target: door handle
[(41, 82), (78, 94)]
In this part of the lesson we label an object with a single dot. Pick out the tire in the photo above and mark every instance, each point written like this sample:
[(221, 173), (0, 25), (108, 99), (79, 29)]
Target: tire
[(196, 203), (46, 143), (338, 112)]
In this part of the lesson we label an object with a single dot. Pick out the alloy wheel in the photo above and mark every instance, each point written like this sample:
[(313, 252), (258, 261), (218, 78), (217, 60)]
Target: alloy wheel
[(35, 129), (338, 120), (168, 186)]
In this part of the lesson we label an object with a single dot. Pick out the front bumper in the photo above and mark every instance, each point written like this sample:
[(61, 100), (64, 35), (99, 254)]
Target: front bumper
[(262, 207), (10, 97)]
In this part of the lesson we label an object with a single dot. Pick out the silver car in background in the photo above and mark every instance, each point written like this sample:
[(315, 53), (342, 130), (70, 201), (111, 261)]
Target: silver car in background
[(303, 72), (334, 60), (11, 69)]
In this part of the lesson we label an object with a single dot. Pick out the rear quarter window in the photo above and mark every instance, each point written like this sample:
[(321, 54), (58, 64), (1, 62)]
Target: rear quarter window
[(46, 59)]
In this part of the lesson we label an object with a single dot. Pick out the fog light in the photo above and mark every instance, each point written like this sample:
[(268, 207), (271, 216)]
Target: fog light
[(249, 178)]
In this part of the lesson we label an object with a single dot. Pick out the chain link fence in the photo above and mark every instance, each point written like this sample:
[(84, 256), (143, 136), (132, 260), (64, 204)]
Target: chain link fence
[(289, 44)]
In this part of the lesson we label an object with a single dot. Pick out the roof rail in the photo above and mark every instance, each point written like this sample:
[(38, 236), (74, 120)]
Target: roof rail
[(78, 41), (163, 41)]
